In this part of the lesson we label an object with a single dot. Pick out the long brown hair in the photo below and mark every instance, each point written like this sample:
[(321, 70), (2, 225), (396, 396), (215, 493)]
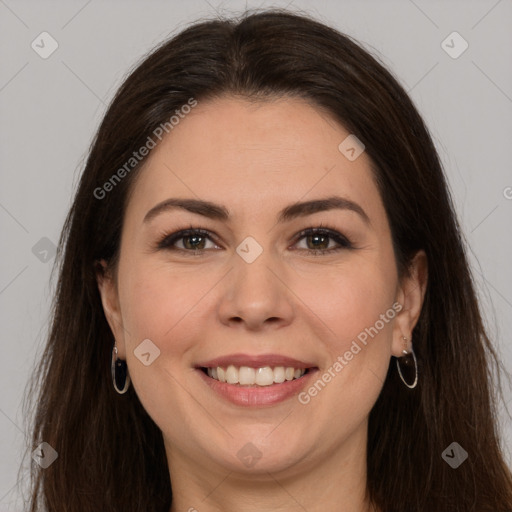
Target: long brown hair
[(111, 455)]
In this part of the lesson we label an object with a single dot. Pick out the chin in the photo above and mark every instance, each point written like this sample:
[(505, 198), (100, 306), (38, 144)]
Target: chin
[(257, 453)]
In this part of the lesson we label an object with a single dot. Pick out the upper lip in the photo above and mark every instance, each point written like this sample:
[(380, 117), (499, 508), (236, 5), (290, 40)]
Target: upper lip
[(256, 361)]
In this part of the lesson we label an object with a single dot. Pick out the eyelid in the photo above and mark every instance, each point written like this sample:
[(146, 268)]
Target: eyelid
[(334, 234), (167, 240)]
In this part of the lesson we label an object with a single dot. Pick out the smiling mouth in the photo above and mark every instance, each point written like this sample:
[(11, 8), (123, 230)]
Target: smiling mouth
[(243, 376)]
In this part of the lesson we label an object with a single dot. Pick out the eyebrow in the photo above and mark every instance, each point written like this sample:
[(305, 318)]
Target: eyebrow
[(219, 212)]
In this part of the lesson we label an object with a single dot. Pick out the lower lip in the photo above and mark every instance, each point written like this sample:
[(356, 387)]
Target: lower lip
[(251, 396)]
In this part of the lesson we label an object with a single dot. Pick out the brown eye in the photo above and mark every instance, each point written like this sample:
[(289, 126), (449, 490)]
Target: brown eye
[(194, 242), (190, 239), (319, 240)]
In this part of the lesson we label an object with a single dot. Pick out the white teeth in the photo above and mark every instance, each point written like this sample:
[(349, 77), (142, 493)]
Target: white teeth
[(289, 373), (264, 376), (231, 375), (247, 376), (279, 374)]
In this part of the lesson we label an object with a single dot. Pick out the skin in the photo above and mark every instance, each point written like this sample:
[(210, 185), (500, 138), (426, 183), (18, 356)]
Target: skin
[(256, 159)]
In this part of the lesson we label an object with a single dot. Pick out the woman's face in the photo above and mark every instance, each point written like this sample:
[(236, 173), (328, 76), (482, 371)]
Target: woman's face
[(254, 293)]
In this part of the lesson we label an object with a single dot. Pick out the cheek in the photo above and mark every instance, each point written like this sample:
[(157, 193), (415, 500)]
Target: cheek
[(356, 307), (161, 304), (350, 299), (160, 300)]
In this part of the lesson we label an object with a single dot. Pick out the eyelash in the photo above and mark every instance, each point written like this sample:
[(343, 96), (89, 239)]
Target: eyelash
[(167, 240)]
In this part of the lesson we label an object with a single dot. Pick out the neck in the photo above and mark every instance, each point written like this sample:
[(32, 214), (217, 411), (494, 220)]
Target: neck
[(332, 481)]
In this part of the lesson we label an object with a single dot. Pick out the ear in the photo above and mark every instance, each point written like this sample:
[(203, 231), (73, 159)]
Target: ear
[(410, 295), (107, 286)]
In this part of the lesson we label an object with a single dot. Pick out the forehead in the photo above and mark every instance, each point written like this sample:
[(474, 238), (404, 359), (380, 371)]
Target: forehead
[(254, 157)]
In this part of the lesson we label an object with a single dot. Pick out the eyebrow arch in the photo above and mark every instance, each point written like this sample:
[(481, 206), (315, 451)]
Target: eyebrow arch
[(293, 211)]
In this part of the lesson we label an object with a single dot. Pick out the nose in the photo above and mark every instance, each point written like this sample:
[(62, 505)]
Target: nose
[(255, 295)]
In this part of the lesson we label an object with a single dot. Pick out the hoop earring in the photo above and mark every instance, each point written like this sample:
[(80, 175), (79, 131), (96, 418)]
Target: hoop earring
[(405, 352), (120, 376)]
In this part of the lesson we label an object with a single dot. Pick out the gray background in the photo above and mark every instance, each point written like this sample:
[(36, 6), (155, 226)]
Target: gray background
[(50, 109)]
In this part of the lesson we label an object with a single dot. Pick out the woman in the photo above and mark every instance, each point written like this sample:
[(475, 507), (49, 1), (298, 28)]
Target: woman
[(264, 301)]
